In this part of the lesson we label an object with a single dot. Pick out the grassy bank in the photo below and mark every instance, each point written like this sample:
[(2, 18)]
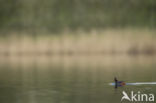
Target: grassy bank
[(110, 41), (55, 15)]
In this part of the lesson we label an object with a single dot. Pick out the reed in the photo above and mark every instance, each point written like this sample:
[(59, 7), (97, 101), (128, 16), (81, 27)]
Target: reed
[(110, 41)]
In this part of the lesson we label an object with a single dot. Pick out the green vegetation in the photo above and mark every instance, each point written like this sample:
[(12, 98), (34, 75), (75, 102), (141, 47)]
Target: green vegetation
[(58, 15), (85, 26)]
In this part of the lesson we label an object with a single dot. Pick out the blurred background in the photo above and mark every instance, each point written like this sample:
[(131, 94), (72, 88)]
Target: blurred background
[(67, 51), (58, 15), (77, 26)]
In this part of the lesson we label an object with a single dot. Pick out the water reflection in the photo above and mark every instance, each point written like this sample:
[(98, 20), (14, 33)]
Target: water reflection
[(72, 79)]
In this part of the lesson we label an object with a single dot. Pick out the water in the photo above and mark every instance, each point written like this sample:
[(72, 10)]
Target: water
[(73, 79), (137, 83)]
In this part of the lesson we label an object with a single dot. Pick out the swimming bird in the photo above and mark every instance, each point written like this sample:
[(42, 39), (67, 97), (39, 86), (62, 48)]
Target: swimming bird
[(118, 83)]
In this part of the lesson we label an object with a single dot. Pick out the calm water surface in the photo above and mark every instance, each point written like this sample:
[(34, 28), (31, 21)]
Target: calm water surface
[(73, 79)]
